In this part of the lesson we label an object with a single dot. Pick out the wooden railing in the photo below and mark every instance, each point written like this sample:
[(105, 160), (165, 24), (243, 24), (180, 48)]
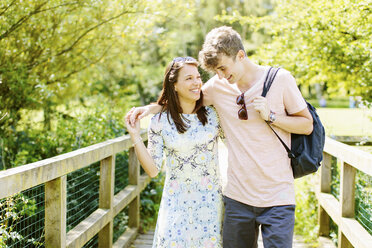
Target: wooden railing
[(342, 212), (53, 172)]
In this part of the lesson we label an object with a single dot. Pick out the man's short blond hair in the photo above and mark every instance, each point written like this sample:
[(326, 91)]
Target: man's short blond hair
[(219, 41)]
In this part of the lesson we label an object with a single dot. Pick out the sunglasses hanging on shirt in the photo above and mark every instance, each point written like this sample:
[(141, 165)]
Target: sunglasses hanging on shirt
[(242, 113)]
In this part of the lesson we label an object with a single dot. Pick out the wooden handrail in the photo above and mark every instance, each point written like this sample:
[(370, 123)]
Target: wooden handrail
[(350, 232), (53, 172)]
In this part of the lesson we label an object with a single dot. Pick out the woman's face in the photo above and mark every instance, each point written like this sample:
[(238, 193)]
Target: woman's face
[(188, 85)]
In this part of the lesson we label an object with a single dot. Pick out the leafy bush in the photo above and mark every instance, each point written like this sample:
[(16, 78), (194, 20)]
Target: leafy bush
[(306, 223), (12, 210), (150, 202)]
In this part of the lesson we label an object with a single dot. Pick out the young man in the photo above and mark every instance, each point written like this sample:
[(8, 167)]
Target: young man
[(260, 187), (260, 184)]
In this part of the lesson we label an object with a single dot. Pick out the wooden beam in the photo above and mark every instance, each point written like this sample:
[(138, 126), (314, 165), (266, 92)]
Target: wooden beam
[(126, 195), (324, 221), (343, 242), (30, 175), (55, 213), (134, 177), (330, 204), (106, 199), (359, 159), (126, 238), (347, 190), (355, 233), (347, 200), (89, 227), (325, 173), (27, 176), (351, 228)]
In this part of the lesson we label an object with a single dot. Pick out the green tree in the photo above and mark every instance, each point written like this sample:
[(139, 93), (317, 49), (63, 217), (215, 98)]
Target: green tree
[(59, 54), (325, 42)]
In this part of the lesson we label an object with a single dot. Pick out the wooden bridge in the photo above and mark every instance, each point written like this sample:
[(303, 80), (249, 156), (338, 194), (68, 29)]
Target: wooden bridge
[(52, 173)]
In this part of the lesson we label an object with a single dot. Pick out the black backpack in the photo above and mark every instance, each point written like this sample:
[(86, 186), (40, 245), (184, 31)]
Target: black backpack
[(306, 151)]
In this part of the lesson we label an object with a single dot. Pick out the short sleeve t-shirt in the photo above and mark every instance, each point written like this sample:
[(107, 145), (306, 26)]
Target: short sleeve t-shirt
[(259, 171)]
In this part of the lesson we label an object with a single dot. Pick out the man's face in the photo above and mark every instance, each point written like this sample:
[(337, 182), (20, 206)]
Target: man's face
[(230, 68)]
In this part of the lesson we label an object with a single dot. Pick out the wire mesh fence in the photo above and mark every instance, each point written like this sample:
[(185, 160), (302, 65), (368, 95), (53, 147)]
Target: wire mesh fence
[(82, 194), (22, 219), (120, 223), (22, 216), (363, 200), (335, 174)]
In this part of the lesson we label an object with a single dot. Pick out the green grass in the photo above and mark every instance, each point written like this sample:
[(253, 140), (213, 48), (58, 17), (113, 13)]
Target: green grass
[(341, 102), (346, 122)]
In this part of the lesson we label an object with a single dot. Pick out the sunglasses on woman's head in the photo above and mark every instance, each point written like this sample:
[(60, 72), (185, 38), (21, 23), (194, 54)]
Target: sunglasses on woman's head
[(242, 113), (181, 59)]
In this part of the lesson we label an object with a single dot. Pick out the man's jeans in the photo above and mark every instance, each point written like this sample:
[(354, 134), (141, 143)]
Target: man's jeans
[(242, 221)]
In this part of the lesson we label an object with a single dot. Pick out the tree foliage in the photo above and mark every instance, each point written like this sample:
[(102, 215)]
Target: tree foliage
[(325, 42), (57, 56)]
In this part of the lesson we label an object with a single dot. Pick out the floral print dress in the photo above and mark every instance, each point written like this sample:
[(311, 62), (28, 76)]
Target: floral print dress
[(190, 213)]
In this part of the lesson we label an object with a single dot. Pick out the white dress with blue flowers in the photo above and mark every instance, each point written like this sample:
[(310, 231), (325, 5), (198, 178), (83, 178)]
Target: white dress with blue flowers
[(190, 211)]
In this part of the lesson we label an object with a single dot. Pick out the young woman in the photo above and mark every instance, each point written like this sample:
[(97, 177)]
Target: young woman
[(185, 133)]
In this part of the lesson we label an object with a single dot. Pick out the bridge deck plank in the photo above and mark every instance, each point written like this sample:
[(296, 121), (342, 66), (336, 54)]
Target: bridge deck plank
[(145, 241)]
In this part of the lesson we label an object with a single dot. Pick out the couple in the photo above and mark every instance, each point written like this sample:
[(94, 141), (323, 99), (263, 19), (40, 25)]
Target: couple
[(260, 185)]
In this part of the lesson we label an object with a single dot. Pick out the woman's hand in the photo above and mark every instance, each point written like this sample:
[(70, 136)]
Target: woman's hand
[(147, 162)]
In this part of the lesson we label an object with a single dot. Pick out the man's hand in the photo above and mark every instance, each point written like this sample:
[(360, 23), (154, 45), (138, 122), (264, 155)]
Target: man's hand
[(299, 123), (260, 105), (138, 113), (133, 129)]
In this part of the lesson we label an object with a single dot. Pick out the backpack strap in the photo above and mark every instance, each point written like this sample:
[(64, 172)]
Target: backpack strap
[(289, 152), (271, 74), (267, 84)]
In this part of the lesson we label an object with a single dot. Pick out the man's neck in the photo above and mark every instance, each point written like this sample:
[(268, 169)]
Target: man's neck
[(253, 73)]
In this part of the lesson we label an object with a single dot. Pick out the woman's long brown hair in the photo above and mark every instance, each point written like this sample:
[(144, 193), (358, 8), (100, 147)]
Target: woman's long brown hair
[(169, 98)]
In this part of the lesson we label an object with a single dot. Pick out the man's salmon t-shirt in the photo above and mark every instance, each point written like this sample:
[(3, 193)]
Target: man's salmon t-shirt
[(259, 172)]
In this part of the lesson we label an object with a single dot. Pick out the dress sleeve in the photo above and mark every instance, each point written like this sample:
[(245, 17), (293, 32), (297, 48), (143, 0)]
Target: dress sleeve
[(216, 118), (155, 144), (221, 133)]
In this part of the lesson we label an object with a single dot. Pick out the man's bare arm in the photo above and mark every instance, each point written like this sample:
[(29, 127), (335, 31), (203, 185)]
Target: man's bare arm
[(139, 112), (299, 123)]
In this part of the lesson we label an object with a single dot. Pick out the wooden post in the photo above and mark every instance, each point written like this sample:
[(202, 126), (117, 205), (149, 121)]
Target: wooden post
[(343, 242), (55, 212), (324, 222), (347, 190), (134, 173), (347, 199), (325, 187), (325, 173), (106, 197)]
